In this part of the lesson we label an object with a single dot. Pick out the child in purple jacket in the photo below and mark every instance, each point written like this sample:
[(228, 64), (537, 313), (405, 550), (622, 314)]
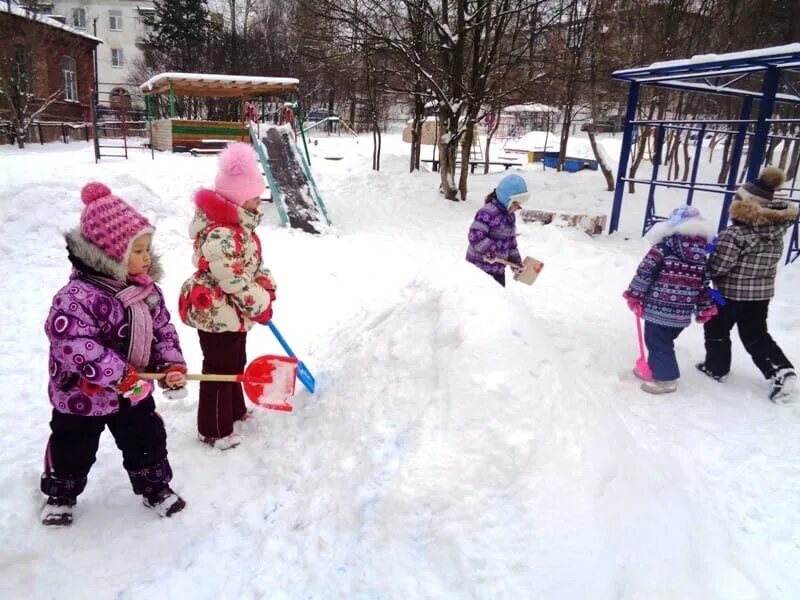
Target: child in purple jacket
[(493, 233), (107, 323), (671, 283)]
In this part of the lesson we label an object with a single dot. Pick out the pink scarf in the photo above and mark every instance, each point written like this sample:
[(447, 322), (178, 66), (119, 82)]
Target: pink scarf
[(133, 296)]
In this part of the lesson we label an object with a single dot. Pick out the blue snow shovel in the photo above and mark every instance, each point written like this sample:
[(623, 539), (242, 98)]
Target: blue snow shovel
[(303, 374)]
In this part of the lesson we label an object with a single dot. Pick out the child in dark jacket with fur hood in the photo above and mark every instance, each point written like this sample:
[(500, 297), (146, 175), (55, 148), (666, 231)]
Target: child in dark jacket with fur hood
[(743, 265), (107, 324), (671, 284)]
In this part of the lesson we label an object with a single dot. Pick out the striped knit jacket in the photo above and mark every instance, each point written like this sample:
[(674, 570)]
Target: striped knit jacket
[(672, 281), (745, 259)]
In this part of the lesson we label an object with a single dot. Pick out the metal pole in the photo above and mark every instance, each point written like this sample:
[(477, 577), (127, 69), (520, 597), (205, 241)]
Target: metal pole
[(172, 102), (95, 96), (650, 211), (736, 157), (759, 144), (696, 162), (627, 135)]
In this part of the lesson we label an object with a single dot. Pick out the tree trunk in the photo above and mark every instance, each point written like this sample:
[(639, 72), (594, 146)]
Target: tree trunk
[(787, 144), (448, 144), (601, 160), (466, 151), (794, 162), (21, 133), (711, 145), (643, 140), (416, 134), (489, 135), (686, 161), (726, 160)]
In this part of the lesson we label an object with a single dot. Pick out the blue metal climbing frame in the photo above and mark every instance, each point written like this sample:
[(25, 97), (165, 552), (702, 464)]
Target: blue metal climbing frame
[(733, 75)]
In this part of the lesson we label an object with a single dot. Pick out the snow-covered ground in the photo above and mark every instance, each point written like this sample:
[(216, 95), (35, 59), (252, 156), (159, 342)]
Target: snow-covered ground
[(466, 441)]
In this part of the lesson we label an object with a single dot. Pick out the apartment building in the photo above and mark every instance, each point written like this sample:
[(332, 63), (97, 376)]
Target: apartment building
[(122, 25)]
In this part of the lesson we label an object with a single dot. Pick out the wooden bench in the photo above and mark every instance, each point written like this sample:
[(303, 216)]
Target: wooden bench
[(472, 164), (200, 151)]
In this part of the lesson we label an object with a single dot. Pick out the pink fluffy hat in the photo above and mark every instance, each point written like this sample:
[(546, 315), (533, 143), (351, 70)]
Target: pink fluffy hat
[(110, 223), (238, 177)]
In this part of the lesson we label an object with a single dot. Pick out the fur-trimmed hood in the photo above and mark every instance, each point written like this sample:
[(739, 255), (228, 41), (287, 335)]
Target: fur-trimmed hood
[(751, 212), (88, 258), (688, 228), (216, 209)]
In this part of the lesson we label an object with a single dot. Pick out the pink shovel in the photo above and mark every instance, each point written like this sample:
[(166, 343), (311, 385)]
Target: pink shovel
[(641, 362)]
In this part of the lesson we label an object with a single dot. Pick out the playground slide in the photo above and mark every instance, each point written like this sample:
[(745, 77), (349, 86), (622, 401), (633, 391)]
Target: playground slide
[(293, 189)]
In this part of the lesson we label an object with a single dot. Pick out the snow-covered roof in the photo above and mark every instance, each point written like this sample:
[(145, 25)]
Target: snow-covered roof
[(532, 107), (14, 9), (205, 84)]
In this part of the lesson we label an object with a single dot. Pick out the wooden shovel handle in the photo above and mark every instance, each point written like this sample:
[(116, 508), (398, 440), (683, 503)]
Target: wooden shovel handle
[(193, 377), (503, 261)]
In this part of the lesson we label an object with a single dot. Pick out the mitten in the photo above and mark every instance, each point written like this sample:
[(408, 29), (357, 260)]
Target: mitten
[(132, 387), (706, 315), (635, 306), (174, 376), (265, 317)]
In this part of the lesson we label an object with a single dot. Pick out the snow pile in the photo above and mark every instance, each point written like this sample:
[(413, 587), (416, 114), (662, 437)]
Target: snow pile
[(466, 440)]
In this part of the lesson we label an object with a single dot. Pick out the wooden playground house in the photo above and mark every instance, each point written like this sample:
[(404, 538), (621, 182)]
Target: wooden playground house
[(168, 132)]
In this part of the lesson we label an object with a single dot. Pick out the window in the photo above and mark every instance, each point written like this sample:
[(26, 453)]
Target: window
[(79, 18), (147, 26), (116, 57), (22, 69), (70, 79), (115, 20)]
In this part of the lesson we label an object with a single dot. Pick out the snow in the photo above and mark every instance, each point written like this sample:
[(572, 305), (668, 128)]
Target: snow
[(531, 107), (466, 441), (702, 59), (212, 78), (13, 8)]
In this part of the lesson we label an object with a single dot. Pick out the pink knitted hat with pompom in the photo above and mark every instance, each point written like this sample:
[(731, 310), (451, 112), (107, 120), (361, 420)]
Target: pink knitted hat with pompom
[(238, 176), (110, 223)]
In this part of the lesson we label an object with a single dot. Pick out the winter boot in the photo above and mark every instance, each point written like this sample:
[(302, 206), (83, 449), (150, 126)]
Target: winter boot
[(165, 502), (704, 370), (223, 443), (783, 383), (57, 512), (660, 387)]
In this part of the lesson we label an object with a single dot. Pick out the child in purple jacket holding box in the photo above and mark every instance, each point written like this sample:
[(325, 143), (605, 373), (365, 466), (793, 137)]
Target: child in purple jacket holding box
[(493, 233), (104, 326), (671, 283)]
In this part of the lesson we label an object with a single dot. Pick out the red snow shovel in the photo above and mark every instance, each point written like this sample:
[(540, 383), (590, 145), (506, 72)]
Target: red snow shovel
[(268, 380)]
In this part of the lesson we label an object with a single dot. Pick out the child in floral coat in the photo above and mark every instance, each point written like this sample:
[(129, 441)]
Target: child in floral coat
[(230, 290), (104, 326), (671, 283)]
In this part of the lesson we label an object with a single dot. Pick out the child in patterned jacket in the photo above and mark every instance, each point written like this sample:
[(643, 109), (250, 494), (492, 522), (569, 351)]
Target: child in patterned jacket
[(671, 283), (744, 264), (493, 233), (230, 289), (105, 325)]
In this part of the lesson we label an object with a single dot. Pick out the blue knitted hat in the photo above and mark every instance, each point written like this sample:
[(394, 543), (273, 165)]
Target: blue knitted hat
[(512, 188)]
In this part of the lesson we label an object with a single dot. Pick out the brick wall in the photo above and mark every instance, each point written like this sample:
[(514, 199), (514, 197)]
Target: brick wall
[(48, 46)]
